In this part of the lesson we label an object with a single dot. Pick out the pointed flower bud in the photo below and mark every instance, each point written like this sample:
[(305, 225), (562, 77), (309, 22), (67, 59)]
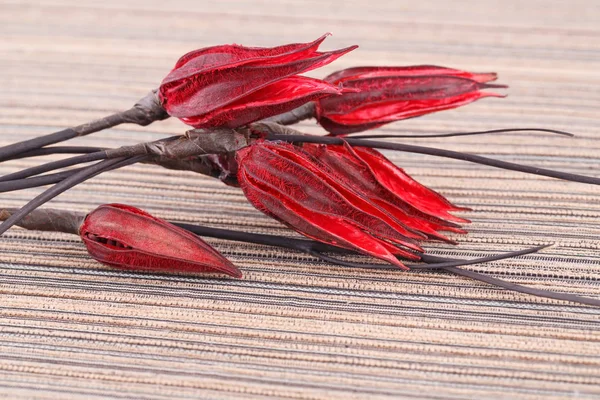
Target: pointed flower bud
[(331, 194), (232, 85), (126, 237), (387, 94)]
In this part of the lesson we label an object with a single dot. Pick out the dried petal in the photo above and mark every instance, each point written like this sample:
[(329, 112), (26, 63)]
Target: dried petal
[(126, 237), (350, 74), (274, 99), (400, 184), (355, 172)]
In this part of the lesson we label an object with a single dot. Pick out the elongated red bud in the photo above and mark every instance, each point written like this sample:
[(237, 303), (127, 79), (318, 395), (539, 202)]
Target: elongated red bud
[(127, 237), (232, 85), (386, 94)]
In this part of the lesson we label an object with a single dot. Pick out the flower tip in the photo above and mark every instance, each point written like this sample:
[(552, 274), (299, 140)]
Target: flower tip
[(397, 263), (321, 39), (484, 77), (344, 51), (234, 272)]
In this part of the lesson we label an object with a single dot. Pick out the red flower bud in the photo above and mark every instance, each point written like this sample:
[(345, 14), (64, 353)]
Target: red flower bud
[(387, 94), (330, 194), (232, 85), (126, 237)]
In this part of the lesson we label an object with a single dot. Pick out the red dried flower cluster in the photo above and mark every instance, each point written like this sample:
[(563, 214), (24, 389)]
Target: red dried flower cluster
[(348, 197), (353, 198)]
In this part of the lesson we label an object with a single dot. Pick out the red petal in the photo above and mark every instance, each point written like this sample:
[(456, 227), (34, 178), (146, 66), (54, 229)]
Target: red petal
[(147, 242), (387, 89), (400, 184), (390, 111), (277, 98), (391, 94), (413, 70), (226, 56)]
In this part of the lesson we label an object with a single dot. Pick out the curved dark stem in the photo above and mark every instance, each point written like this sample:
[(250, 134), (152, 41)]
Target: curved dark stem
[(15, 149), (304, 245), (58, 150), (524, 289), (49, 179), (432, 262), (144, 112), (350, 264), (67, 162), (563, 133), (317, 248), (440, 153), (72, 180), (303, 112)]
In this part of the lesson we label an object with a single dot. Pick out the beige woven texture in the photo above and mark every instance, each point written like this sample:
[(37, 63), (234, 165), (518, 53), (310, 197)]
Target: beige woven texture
[(295, 327)]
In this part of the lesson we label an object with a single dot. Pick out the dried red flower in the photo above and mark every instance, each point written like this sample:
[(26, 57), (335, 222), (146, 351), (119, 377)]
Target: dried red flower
[(232, 85), (127, 237), (349, 197), (386, 94)]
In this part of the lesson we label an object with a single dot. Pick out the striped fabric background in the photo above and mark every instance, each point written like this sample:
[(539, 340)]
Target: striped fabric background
[(295, 327)]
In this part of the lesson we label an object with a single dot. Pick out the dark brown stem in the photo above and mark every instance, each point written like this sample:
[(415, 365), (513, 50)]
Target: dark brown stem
[(454, 134), (47, 219), (58, 150), (67, 162), (19, 184), (176, 152), (301, 113), (316, 249), (144, 112)]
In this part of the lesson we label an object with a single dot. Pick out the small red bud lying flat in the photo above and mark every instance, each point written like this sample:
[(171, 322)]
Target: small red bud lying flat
[(127, 237)]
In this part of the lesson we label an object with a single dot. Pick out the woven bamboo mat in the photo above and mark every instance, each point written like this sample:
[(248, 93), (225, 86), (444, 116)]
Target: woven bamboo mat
[(295, 327)]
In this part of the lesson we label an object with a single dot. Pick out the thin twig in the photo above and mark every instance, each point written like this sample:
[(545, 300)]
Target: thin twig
[(58, 150), (301, 113), (439, 135), (67, 162), (18, 184), (75, 179), (144, 112), (439, 153)]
